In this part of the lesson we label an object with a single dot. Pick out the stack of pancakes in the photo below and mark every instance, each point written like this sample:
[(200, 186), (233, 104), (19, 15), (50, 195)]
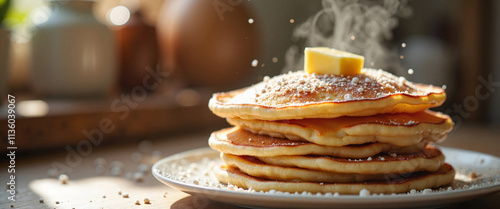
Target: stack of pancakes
[(301, 132)]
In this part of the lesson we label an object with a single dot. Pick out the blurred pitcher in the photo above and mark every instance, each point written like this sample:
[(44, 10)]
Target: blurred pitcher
[(73, 54)]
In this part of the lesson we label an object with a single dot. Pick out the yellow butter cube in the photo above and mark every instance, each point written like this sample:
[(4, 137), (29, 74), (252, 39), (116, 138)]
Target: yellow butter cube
[(323, 60)]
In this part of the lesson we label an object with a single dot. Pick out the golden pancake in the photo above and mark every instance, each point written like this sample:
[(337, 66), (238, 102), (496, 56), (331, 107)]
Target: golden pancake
[(237, 141), (301, 95), (254, 167), (418, 181), (403, 129), (429, 159)]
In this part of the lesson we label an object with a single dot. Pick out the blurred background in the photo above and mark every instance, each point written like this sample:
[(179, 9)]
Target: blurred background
[(147, 68)]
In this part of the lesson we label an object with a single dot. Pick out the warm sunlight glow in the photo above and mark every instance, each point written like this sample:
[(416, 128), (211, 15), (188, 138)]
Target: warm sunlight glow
[(40, 15), (119, 15), (33, 108)]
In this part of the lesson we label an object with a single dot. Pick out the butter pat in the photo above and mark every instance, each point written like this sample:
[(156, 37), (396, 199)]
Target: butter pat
[(324, 60)]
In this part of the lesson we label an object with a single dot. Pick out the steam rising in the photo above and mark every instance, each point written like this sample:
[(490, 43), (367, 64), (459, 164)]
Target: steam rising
[(361, 27)]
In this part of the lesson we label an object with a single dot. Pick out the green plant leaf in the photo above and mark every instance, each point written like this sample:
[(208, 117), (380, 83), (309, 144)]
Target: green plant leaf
[(4, 7)]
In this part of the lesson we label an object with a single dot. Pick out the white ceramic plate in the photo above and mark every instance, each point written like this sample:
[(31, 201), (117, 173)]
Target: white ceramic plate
[(190, 172)]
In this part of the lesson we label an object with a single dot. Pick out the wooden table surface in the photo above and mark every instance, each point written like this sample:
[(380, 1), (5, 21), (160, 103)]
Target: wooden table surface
[(88, 189)]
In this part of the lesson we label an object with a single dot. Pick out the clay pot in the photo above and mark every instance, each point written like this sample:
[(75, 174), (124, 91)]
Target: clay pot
[(138, 51), (207, 42)]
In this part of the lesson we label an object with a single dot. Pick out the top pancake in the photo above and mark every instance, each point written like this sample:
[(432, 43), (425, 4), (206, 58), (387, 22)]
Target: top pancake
[(301, 95)]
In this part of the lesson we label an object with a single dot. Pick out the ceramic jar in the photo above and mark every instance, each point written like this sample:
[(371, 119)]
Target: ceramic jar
[(73, 54)]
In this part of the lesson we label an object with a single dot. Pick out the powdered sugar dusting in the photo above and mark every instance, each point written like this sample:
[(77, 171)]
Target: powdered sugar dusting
[(300, 87), (411, 122), (364, 193)]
